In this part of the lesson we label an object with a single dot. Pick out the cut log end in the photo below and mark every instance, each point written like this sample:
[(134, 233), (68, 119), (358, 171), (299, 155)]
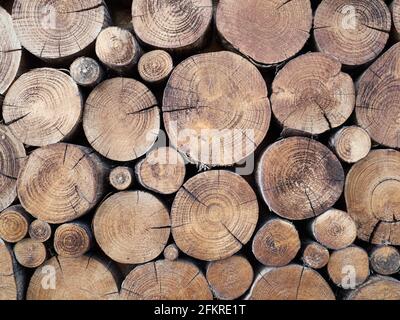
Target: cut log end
[(14, 224), (155, 66), (377, 288), (30, 253), (315, 255), (86, 72), (73, 239), (385, 260), (121, 178), (40, 230), (171, 252)]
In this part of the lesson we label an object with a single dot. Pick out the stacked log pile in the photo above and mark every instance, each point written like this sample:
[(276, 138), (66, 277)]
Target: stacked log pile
[(199, 149)]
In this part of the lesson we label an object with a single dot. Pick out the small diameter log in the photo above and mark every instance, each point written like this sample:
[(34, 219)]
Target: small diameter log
[(30, 253), (372, 197), (213, 215), (351, 144), (132, 227), (73, 239), (12, 155), (121, 178), (348, 29), (377, 288), (118, 49), (306, 184), (385, 260), (10, 51), (377, 99), (276, 243), (165, 280), (162, 171), (83, 278), (334, 229), (180, 25), (86, 72), (155, 66), (292, 282), (349, 267), (57, 31), (315, 255), (42, 107), (61, 182), (268, 32), (12, 279), (395, 10), (40, 230), (311, 94), (214, 120), (14, 224), (230, 278), (171, 252), (121, 119)]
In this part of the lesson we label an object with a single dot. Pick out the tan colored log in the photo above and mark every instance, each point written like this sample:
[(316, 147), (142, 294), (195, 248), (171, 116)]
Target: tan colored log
[(83, 278), (372, 197), (13, 156), (315, 255), (351, 144), (180, 25), (30, 253), (395, 10), (377, 288), (276, 243), (40, 230), (385, 260), (10, 51), (268, 32), (86, 72), (230, 278), (118, 49), (61, 30), (163, 170), (347, 263), (334, 229), (292, 282), (349, 29), (61, 182), (377, 99), (155, 66), (171, 252), (73, 239), (213, 215), (14, 224), (42, 107), (132, 227), (216, 108), (121, 119), (121, 178), (166, 280), (307, 183), (12, 278), (312, 95)]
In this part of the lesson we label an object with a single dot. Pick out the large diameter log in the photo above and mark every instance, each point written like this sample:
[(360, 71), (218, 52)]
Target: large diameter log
[(30, 253), (276, 243), (132, 227), (213, 215), (216, 108), (12, 280), (121, 119), (377, 288), (61, 182), (377, 99), (335, 229), (268, 32), (58, 30), (155, 66), (118, 49), (385, 260), (315, 255), (353, 31), (86, 72), (83, 278), (73, 239), (42, 107), (14, 224), (12, 155), (121, 178), (10, 51), (163, 170), (372, 194), (165, 280), (230, 278), (306, 184), (311, 94), (292, 282), (179, 25), (40, 230)]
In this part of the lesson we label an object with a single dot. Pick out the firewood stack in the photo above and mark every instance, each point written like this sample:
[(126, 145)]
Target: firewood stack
[(199, 149)]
